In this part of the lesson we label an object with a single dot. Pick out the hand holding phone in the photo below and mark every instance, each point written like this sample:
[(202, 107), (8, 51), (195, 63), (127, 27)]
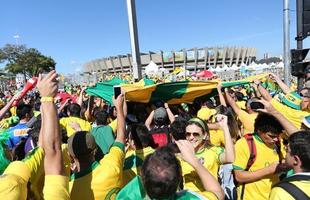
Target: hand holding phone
[(117, 91)]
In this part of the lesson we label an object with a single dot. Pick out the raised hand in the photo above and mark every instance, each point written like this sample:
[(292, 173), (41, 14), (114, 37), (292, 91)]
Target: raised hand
[(48, 86)]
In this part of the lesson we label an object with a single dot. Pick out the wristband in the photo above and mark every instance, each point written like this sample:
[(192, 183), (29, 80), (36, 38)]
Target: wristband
[(47, 99)]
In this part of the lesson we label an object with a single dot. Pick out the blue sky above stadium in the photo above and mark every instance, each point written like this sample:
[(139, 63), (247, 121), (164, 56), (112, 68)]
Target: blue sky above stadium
[(74, 32)]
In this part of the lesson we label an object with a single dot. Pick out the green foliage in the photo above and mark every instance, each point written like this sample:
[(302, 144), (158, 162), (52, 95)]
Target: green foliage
[(269, 60), (19, 59)]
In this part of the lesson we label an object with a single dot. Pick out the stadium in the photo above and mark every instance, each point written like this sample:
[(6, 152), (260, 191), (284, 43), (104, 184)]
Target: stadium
[(193, 59)]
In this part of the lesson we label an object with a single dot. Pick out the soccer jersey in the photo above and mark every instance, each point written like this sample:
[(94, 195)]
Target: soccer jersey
[(247, 121), (278, 193), (65, 123), (102, 180), (56, 187), (264, 157), (133, 162), (16, 134), (13, 182), (217, 137), (293, 115), (210, 158), (35, 162)]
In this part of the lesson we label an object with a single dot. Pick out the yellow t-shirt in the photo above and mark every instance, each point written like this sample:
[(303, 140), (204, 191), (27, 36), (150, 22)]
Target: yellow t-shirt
[(294, 116), (241, 104), (210, 158), (217, 137), (113, 125), (56, 187), (264, 157), (247, 121), (102, 180), (133, 162), (205, 113), (35, 162), (65, 123), (278, 193), (13, 182)]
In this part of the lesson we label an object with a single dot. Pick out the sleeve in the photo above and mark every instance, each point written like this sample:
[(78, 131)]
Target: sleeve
[(116, 155), (56, 187), (294, 116), (34, 160), (242, 155), (113, 125)]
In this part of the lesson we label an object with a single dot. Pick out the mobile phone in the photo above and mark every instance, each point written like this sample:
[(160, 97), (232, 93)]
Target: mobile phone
[(256, 105), (117, 91)]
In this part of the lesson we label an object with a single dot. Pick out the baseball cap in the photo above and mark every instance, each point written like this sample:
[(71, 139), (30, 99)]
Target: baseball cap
[(81, 144), (160, 114)]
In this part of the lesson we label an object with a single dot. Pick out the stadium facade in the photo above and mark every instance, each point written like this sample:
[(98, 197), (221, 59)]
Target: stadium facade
[(191, 59)]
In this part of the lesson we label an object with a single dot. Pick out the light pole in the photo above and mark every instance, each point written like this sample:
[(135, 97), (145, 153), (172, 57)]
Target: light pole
[(133, 30), (286, 41)]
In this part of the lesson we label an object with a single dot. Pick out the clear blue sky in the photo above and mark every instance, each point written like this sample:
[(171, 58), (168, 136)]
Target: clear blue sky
[(74, 32)]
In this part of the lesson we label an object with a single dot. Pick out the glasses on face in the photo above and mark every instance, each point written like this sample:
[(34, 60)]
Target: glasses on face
[(194, 134)]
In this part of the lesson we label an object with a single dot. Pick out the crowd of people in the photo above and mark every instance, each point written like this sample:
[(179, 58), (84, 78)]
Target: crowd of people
[(246, 142)]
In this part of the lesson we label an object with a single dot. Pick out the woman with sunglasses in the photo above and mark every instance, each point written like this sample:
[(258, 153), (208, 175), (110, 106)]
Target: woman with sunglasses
[(197, 133)]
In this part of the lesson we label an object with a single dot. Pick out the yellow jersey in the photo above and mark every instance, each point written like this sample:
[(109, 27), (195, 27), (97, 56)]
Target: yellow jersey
[(56, 187), (278, 193), (102, 180), (247, 121), (210, 158), (293, 115), (264, 157), (217, 137), (133, 163), (65, 124)]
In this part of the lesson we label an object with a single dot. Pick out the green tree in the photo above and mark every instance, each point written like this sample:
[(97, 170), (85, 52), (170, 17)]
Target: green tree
[(29, 61)]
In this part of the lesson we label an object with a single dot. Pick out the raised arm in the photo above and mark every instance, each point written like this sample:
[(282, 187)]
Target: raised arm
[(149, 120), (210, 184), (281, 84), (287, 125), (170, 114), (229, 154), (265, 94), (219, 91), (232, 103), (51, 141), (119, 102), (7, 107)]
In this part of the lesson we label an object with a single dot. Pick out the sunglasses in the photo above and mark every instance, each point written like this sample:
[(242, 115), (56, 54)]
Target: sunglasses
[(195, 134)]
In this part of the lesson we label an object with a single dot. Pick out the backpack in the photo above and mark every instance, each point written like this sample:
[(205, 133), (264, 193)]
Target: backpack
[(160, 136), (250, 141), (292, 189)]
